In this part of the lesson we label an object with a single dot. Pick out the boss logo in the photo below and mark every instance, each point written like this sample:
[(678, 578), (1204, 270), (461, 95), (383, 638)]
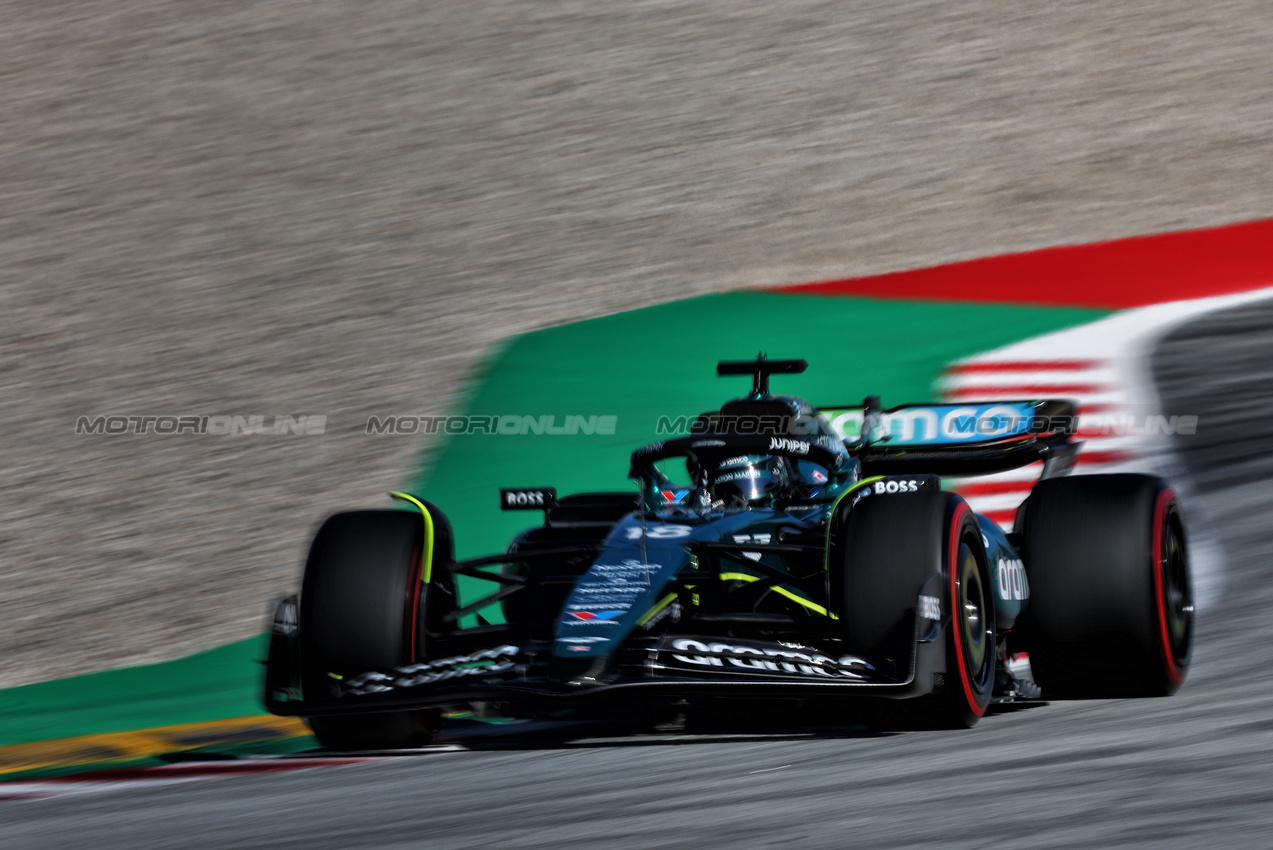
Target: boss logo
[(895, 486), (529, 499)]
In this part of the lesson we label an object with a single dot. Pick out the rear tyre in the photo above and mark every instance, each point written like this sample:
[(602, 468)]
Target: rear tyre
[(364, 607), (890, 548), (1111, 602)]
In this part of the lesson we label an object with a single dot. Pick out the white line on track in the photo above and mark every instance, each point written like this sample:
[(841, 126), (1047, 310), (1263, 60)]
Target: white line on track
[(98, 781)]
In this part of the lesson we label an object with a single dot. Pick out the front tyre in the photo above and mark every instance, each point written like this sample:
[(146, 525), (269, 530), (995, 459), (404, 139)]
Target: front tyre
[(892, 547), (364, 607), (970, 642)]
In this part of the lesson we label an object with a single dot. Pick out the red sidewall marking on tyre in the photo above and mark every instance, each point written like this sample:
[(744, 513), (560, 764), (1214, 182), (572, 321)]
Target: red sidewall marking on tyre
[(1161, 508), (956, 537), (414, 576)]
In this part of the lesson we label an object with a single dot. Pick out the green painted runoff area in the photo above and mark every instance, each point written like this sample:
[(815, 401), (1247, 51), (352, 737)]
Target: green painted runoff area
[(214, 685), (635, 366)]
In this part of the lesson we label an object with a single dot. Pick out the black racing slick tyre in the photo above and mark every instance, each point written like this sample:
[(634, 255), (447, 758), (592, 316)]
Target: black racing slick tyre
[(364, 607), (1111, 604), (893, 547)]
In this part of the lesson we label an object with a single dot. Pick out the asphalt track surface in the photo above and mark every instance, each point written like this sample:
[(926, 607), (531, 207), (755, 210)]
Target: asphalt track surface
[(1186, 771)]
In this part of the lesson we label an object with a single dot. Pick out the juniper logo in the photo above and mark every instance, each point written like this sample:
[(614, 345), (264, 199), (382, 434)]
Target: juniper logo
[(216, 425), (506, 425)]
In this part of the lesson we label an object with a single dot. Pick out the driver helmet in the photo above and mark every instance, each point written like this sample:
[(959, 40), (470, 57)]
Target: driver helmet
[(749, 479)]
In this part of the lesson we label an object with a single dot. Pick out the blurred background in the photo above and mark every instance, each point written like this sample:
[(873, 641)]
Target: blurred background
[(327, 208)]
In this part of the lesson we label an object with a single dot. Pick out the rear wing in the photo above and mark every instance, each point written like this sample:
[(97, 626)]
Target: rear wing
[(959, 439)]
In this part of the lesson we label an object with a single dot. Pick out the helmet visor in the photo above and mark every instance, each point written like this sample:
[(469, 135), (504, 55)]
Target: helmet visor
[(748, 479)]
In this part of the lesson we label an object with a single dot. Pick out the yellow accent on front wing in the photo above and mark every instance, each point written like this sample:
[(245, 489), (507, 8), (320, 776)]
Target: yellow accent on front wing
[(656, 608), (426, 558), (812, 606)]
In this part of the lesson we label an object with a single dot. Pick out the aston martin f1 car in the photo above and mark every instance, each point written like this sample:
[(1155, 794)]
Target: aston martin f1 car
[(776, 553)]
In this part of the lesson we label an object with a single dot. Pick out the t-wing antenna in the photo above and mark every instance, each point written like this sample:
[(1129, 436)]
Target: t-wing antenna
[(762, 367)]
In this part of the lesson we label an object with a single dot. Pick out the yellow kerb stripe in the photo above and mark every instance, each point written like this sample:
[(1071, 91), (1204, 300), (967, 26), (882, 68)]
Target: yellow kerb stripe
[(146, 743)]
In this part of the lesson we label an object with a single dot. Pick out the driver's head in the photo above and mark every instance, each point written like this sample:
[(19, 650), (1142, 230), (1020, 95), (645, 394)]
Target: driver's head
[(749, 479)]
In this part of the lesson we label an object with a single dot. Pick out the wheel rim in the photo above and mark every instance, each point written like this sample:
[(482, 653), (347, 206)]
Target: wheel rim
[(971, 610), (1177, 593)]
